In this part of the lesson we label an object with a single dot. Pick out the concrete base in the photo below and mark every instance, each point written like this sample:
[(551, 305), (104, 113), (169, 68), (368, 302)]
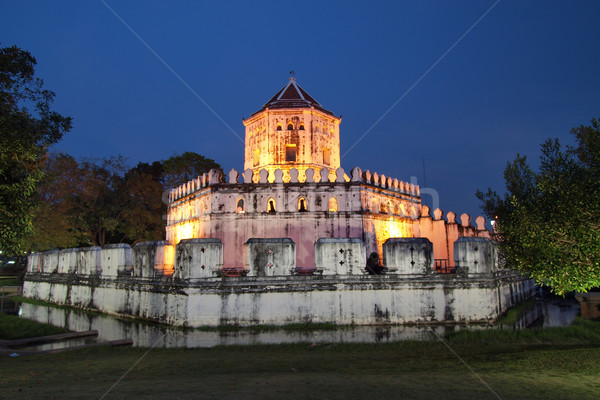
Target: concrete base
[(244, 301)]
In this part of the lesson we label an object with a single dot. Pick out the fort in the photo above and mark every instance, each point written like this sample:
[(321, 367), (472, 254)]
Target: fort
[(287, 241)]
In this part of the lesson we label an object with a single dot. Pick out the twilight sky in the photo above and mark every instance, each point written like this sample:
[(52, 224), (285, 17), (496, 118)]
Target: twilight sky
[(464, 85)]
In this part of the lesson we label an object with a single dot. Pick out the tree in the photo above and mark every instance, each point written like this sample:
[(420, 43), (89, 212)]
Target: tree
[(182, 168), (96, 202), (144, 214), (24, 139), (548, 222), (53, 217)]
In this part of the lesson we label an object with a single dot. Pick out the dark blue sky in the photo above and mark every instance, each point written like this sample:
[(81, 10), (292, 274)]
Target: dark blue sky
[(527, 71)]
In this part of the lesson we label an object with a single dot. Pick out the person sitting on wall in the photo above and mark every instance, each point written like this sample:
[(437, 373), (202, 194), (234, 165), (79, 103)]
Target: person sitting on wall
[(373, 266)]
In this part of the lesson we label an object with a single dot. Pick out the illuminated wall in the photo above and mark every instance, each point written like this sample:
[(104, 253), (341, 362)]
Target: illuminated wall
[(304, 212), (292, 138)]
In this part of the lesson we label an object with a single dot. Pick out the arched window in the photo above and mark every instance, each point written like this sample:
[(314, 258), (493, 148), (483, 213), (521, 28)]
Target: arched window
[(333, 204), (301, 127), (302, 204), (279, 127), (290, 127), (239, 208), (271, 205)]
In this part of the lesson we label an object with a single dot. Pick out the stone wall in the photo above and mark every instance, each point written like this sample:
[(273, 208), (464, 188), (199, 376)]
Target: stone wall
[(308, 205), (131, 282), (443, 233)]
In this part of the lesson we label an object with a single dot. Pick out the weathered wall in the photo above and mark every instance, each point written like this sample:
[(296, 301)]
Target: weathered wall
[(343, 256), (267, 135), (407, 256), (343, 294), (278, 301)]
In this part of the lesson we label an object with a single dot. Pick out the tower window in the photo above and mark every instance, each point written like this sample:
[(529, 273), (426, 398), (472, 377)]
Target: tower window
[(326, 156), (302, 204), (290, 152), (301, 127), (290, 127), (333, 204), (271, 205), (240, 206), (278, 127)]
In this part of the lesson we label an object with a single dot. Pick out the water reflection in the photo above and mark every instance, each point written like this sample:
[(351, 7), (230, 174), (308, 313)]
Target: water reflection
[(545, 313), (8, 306)]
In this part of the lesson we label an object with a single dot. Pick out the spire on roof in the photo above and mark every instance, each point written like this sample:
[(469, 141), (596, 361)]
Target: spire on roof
[(293, 96)]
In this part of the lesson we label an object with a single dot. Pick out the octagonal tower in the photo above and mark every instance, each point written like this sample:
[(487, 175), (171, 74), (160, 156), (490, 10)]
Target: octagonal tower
[(292, 130)]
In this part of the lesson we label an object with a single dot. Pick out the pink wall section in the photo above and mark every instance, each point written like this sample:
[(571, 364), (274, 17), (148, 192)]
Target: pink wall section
[(303, 228)]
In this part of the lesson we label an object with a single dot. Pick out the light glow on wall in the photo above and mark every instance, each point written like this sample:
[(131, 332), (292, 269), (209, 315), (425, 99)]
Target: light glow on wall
[(183, 230), (391, 228), (165, 258)]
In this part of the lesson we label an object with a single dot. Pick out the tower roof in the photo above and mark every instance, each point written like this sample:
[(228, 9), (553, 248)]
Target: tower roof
[(293, 96)]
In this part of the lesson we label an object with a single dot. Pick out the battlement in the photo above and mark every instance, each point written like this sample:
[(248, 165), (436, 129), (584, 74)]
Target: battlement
[(293, 175)]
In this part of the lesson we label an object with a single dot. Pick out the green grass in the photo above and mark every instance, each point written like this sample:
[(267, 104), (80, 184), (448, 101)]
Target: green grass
[(301, 371), (561, 363), (13, 327), (513, 314), (580, 331), (10, 281)]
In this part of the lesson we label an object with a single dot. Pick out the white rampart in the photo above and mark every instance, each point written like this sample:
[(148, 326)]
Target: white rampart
[(342, 256), (67, 261), (198, 258), (116, 260), (343, 294), (269, 257), (153, 259), (409, 255)]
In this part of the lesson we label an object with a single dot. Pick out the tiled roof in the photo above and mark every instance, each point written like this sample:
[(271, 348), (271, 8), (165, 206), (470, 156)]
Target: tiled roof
[(293, 96)]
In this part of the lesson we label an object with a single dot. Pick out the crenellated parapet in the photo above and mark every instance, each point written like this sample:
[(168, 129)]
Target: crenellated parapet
[(444, 230), (293, 176), (385, 182), (193, 259)]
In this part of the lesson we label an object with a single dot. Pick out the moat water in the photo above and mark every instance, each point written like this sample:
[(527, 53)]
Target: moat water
[(548, 311)]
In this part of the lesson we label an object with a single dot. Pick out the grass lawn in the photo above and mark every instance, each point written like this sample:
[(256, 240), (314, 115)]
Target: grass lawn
[(10, 281), (559, 363), (13, 327)]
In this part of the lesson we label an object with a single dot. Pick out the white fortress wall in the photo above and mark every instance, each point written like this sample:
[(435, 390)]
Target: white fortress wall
[(344, 294)]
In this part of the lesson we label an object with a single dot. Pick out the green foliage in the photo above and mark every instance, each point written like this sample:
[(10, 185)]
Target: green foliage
[(24, 139), (181, 168), (96, 202), (548, 222)]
